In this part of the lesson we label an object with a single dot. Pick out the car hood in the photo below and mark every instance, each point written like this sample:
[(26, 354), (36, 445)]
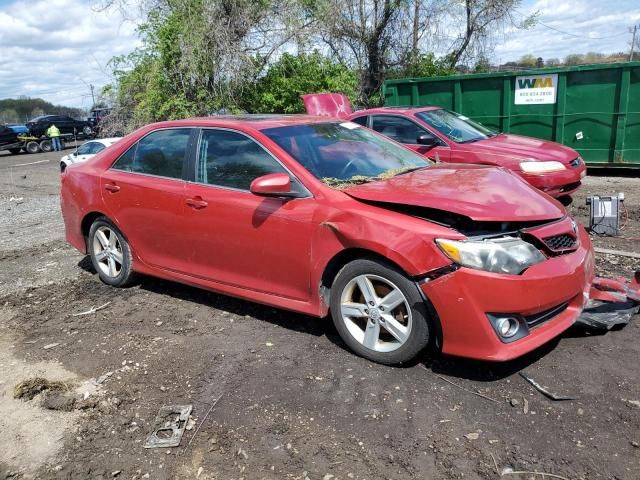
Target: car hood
[(518, 148), (479, 192)]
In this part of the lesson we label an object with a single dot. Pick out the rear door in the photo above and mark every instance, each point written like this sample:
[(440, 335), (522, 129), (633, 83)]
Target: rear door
[(241, 239), (144, 192), (406, 131)]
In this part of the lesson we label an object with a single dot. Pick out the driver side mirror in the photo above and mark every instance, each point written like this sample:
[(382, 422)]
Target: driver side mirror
[(426, 140), (273, 185)]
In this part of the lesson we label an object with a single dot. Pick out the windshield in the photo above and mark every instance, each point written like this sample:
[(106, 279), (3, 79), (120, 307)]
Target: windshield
[(454, 126), (342, 154)]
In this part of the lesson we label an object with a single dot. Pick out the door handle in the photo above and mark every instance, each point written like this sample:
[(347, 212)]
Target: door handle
[(196, 203), (113, 188)]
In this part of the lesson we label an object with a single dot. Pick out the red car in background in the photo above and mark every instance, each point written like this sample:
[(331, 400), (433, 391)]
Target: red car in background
[(446, 136), (321, 215)]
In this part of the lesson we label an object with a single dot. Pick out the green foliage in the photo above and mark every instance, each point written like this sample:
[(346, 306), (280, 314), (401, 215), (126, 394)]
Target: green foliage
[(294, 75), (421, 65), (527, 60)]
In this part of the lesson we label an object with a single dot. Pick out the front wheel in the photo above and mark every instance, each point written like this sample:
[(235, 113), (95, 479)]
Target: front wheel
[(14, 151), (110, 253), (379, 312), (86, 130)]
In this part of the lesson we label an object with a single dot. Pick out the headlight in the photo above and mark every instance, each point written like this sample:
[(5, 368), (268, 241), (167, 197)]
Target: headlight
[(503, 255), (542, 167)]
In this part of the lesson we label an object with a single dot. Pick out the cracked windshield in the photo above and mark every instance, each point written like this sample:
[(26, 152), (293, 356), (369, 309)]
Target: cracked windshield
[(345, 154)]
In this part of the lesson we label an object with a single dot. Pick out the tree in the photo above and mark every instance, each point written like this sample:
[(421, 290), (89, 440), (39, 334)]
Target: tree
[(480, 18), (8, 115), (552, 62), (294, 75), (359, 33), (528, 61), (574, 59)]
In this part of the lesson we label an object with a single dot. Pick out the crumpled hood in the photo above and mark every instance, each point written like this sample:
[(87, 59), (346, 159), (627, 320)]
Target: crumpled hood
[(518, 148), (479, 192)]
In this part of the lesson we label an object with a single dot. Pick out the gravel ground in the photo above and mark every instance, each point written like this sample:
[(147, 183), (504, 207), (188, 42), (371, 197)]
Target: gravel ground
[(293, 402)]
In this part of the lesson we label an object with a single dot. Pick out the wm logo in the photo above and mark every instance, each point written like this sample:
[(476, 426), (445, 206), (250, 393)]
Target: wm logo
[(535, 83)]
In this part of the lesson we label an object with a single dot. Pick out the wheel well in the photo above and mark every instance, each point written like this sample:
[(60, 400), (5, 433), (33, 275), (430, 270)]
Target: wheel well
[(87, 221), (348, 255)]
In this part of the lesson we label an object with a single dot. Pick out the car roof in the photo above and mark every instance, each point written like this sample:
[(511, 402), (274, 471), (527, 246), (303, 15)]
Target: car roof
[(255, 121), (398, 110)]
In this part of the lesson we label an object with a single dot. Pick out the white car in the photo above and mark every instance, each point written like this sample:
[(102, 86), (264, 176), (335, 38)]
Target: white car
[(87, 150)]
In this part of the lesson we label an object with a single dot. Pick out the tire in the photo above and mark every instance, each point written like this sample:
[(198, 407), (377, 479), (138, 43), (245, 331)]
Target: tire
[(114, 268), (14, 151), (32, 147), (86, 130), (380, 332), (46, 146)]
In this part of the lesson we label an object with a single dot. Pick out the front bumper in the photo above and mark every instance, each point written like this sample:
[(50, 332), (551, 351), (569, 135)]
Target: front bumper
[(463, 298), (557, 184)]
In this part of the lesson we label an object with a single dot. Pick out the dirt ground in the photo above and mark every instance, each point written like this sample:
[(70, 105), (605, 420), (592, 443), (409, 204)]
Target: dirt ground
[(293, 402)]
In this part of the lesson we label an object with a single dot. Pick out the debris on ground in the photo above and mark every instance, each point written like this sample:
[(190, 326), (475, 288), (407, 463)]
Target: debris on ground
[(544, 391), (93, 309), (169, 426), (611, 302), (28, 389)]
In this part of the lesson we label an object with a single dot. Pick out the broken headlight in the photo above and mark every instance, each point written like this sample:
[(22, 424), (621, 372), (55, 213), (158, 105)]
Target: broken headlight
[(502, 255)]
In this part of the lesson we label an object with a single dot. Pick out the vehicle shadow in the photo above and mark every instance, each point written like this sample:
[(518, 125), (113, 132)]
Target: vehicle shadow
[(463, 368), (484, 371), (290, 320)]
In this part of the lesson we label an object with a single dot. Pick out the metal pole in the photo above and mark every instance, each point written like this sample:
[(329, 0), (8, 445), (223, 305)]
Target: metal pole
[(633, 42), (93, 98)]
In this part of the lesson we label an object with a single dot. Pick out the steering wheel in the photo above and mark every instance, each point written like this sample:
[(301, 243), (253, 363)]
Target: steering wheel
[(345, 169)]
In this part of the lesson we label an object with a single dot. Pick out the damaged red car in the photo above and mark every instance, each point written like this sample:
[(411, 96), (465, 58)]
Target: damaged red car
[(322, 216), (447, 136)]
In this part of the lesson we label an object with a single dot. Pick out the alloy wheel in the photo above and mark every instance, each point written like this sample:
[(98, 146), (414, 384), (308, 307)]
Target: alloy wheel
[(108, 251), (376, 313)]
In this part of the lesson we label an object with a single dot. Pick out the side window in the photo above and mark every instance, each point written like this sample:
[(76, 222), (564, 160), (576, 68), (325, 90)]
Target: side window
[(160, 153), (230, 159), (361, 120), (399, 129), (86, 149)]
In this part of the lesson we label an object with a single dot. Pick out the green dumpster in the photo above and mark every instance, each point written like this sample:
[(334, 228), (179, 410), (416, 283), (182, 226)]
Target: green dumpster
[(594, 109)]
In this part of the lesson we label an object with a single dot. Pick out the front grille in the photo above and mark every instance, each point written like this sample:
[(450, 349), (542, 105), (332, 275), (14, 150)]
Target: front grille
[(538, 318), (560, 242)]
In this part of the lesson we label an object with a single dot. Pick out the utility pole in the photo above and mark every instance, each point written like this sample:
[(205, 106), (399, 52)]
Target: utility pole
[(633, 42), (93, 98)]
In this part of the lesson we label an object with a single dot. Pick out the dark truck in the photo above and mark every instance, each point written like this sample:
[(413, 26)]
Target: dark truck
[(67, 125), (15, 142)]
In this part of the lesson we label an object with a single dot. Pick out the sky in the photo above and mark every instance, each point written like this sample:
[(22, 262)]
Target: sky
[(54, 49)]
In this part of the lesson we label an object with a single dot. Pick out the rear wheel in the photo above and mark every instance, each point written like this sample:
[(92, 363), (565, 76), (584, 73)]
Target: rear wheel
[(45, 145), (110, 253), (32, 147), (379, 312)]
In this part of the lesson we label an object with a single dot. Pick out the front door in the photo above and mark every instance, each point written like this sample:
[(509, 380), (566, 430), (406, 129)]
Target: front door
[(241, 239), (144, 192), (406, 131)]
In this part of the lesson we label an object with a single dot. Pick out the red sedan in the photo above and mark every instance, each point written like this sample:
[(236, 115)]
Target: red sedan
[(450, 137), (319, 215)]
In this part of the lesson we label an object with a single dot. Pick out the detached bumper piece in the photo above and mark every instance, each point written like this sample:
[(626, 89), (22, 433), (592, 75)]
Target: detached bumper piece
[(611, 302)]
